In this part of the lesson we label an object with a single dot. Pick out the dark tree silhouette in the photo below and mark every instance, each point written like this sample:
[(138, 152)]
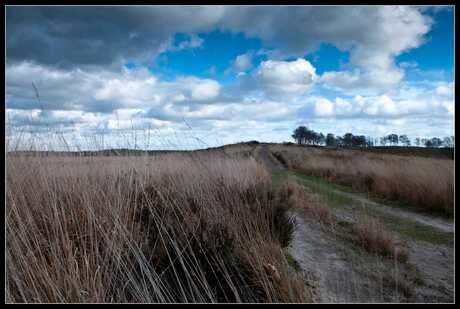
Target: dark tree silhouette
[(300, 135), (312, 137), (448, 142), (339, 141), (393, 139), (384, 140), (321, 139), (403, 139), (348, 139), (428, 142), (304, 135), (330, 140), (359, 140), (436, 142)]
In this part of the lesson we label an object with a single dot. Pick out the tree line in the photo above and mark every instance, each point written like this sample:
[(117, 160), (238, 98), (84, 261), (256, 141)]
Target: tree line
[(304, 135)]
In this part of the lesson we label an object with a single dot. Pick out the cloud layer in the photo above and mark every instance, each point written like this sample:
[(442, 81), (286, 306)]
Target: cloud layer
[(75, 57)]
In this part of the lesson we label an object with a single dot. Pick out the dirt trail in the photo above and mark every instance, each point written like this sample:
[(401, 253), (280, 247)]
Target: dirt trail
[(435, 222), (319, 255), (436, 266), (264, 156), (322, 259)]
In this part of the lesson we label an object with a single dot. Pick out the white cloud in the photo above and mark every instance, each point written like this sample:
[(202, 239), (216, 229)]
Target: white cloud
[(137, 99), (92, 92), (375, 37), (449, 107), (132, 88), (405, 102), (445, 90), (395, 29), (286, 77), (200, 89), (246, 110), (324, 107), (285, 31), (344, 107), (194, 41), (100, 91), (242, 62), (380, 106), (375, 81)]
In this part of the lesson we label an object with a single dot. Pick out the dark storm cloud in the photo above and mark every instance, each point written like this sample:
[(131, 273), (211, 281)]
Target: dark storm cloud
[(102, 36), (88, 36)]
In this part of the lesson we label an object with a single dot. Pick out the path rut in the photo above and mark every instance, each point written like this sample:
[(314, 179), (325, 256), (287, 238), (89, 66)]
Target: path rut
[(436, 222)]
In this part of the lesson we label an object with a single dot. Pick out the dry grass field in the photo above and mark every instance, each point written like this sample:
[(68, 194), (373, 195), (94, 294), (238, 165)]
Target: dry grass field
[(208, 226), (424, 183), (169, 228)]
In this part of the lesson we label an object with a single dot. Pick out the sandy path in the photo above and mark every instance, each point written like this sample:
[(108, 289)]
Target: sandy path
[(436, 222), (436, 265), (318, 253)]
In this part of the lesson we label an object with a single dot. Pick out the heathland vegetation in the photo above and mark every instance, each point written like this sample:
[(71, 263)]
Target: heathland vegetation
[(423, 183), (169, 228), (213, 225)]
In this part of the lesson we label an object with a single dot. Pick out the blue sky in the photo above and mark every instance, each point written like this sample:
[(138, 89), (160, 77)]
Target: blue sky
[(230, 73), (438, 51), (218, 50)]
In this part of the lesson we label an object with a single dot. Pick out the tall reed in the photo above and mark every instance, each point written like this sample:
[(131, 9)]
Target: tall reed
[(165, 228)]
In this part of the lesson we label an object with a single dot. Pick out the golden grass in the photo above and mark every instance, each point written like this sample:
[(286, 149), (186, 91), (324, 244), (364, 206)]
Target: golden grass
[(297, 198), (167, 228), (424, 183), (372, 236), (367, 232)]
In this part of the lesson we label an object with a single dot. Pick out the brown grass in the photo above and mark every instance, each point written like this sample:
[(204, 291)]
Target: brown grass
[(169, 228), (424, 183), (297, 198), (367, 232), (372, 236)]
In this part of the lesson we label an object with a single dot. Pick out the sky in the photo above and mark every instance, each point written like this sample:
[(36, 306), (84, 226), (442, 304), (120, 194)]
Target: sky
[(187, 77)]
